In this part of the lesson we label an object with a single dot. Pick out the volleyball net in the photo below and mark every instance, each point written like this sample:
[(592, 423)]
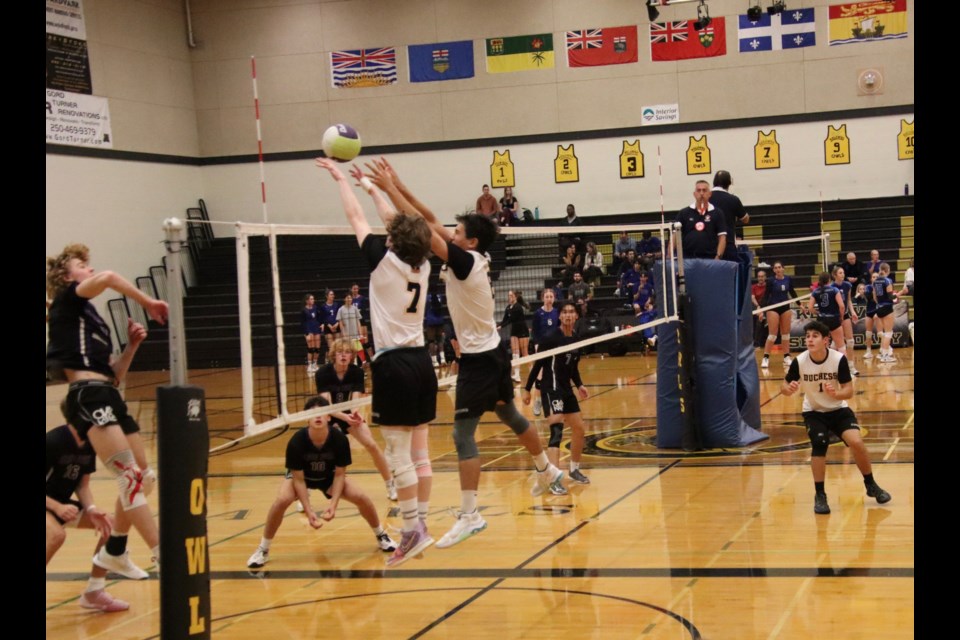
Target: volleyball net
[(278, 266)]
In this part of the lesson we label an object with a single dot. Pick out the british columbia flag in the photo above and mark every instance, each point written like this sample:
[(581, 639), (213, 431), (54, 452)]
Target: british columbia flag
[(363, 67)]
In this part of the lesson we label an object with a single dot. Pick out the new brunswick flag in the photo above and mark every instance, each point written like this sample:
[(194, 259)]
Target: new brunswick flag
[(868, 21), (519, 53), (680, 41), (597, 47)]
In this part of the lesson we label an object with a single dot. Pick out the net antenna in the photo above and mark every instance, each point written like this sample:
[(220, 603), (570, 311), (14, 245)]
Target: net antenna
[(256, 113)]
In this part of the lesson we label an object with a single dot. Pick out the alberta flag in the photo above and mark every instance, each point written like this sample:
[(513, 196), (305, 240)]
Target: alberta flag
[(791, 29), (441, 61)]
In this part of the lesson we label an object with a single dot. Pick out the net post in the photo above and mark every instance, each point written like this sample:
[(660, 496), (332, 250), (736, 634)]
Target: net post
[(173, 228), (246, 346), (826, 252)]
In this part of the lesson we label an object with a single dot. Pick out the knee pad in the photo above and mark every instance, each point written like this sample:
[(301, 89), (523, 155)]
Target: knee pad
[(771, 337), (556, 435), (819, 441), (464, 430), (149, 481), (398, 457), (129, 480), (509, 416), (421, 453), (888, 335)]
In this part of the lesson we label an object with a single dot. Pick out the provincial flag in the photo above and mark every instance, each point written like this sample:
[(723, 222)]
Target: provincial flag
[(441, 61), (868, 21), (519, 53), (598, 47), (363, 67), (791, 29), (680, 41)]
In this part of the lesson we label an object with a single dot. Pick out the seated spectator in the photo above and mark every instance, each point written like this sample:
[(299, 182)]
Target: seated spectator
[(572, 263), (642, 315), (624, 244), (644, 289), (592, 265), (870, 267), (567, 239), (852, 269), (579, 288), (649, 249), (509, 208), (627, 263), (630, 282), (487, 204), (907, 281)]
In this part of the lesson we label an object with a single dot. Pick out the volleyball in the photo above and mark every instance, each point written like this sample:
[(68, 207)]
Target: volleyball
[(341, 142)]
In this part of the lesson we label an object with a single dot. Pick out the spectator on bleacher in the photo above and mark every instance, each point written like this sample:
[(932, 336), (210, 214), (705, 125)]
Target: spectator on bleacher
[(310, 324), (907, 281), (852, 268), (328, 316), (570, 239), (649, 249), (579, 289), (644, 290), (487, 204), (703, 229), (732, 209), (642, 315), (758, 295), (872, 266), (572, 263), (630, 282), (626, 265), (624, 244), (592, 265), (509, 208)]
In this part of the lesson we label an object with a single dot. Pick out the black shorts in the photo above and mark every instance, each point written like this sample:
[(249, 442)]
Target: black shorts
[(781, 309), (320, 485), (73, 522), (883, 312), (556, 401), (433, 333), (404, 387), (519, 330), (846, 315), (870, 314), (835, 422), (97, 403), (484, 379), (832, 322)]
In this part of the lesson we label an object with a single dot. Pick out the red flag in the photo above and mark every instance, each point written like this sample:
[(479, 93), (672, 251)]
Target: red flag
[(597, 47), (680, 41)]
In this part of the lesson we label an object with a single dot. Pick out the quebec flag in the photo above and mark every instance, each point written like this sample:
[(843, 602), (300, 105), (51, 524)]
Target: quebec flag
[(791, 29)]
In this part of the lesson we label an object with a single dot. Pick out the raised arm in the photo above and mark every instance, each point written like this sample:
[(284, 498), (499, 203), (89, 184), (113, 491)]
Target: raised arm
[(351, 206), (99, 282), (136, 334)]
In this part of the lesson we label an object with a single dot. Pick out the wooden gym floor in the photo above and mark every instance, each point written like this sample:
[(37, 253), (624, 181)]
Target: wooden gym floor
[(662, 544)]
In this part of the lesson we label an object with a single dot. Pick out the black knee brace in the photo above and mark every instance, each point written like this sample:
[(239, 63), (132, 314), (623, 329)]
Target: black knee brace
[(556, 435)]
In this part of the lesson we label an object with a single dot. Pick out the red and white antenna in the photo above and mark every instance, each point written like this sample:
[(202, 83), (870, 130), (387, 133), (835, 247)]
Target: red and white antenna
[(256, 109)]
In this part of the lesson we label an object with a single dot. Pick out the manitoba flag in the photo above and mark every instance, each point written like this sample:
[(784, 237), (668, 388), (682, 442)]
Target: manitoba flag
[(598, 47), (680, 41)]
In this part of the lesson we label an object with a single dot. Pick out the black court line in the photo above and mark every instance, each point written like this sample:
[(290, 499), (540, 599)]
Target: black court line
[(523, 564)]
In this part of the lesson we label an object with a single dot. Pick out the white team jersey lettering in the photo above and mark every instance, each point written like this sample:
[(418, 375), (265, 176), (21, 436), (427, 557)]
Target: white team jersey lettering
[(812, 378), (398, 295), (471, 307)]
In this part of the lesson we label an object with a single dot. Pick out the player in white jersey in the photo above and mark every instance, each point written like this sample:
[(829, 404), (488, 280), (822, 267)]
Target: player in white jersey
[(824, 377), (404, 384), (484, 381)]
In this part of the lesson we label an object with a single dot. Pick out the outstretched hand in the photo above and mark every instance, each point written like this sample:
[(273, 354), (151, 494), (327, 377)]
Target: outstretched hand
[(379, 174), (331, 166), (158, 310)]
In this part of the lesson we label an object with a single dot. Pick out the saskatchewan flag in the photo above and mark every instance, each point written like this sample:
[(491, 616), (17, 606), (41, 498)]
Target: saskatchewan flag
[(520, 53)]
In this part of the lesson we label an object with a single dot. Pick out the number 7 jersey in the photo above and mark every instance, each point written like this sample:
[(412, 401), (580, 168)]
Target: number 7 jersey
[(398, 296)]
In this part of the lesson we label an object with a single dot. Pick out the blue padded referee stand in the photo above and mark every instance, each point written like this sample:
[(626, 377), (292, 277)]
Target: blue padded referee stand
[(726, 381)]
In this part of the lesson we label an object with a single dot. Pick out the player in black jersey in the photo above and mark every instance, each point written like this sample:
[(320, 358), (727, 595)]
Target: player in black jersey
[(317, 458)]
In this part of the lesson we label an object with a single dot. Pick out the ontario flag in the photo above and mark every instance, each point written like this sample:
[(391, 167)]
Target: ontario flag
[(680, 41), (598, 47)]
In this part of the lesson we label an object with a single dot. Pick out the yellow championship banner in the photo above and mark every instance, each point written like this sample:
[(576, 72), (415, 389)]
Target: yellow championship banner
[(631, 160), (520, 53), (905, 141), (501, 170), (566, 168), (766, 153), (698, 156), (836, 146), (868, 21)]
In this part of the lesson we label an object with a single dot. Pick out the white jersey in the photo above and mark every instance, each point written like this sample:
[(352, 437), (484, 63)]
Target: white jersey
[(812, 376), (470, 299), (398, 295)]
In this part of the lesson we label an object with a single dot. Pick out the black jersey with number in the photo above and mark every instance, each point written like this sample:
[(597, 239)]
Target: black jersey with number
[(558, 370), (318, 464), (339, 390), (67, 463), (79, 338)]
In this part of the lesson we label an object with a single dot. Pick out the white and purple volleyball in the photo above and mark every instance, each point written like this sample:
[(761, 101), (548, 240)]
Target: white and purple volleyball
[(341, 142)]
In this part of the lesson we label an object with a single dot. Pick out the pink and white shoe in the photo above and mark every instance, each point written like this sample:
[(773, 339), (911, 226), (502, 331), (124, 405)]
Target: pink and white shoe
[(100, 600)]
